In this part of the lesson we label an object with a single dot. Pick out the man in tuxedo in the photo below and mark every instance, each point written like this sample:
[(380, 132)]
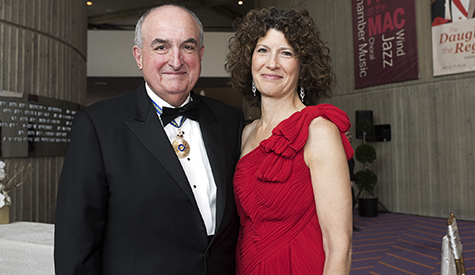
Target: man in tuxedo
[(147, 188)]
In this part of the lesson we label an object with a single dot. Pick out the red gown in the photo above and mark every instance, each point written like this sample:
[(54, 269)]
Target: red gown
[(280, 232)]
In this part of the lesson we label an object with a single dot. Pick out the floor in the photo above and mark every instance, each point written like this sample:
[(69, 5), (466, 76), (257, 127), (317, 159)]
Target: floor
[(393, 244)]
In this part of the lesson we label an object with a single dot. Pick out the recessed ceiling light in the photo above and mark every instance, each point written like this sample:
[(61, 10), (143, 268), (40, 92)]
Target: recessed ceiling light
[(89, 3), (240, 3)]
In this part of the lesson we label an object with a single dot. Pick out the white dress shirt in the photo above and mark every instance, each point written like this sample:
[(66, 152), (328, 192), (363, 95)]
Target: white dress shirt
[(196, 165)]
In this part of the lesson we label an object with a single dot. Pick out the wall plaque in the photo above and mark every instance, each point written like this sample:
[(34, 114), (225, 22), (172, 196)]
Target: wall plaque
[(34, 126)]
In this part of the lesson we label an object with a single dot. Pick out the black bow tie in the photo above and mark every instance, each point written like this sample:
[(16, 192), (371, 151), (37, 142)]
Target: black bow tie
[(190, 110)]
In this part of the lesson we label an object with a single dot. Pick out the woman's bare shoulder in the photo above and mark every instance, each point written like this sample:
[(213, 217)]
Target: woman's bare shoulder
[(321, 127)]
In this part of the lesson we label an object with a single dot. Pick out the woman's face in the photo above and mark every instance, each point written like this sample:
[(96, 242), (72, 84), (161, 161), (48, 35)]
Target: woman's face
[(275, 66)]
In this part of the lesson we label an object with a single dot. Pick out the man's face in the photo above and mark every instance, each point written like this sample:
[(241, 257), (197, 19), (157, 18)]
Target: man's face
[(170, 57)]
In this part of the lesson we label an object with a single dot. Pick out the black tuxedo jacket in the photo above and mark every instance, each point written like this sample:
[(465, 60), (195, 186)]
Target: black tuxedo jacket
[(124, 203)]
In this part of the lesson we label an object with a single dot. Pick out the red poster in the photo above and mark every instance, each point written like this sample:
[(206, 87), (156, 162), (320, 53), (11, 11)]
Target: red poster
[(384, 42)]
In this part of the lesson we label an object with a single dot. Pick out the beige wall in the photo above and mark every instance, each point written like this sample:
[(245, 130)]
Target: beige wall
[(428, 167), (42, 52)]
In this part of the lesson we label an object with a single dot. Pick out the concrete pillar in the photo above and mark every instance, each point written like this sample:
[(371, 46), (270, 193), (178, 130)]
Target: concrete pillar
[(43, 49)]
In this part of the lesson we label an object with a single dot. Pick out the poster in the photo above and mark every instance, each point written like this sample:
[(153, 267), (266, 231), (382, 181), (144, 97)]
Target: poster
[(384, 42), (453, 36)]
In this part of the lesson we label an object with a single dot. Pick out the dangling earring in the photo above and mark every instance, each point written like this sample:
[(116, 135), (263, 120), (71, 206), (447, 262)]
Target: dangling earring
[(302, 93), (254, 88)]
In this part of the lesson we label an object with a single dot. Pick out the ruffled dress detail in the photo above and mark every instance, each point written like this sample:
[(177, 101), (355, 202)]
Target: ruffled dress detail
[(280, 232)]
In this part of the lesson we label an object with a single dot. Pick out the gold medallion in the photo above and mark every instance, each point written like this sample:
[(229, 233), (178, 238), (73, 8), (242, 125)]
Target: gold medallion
[(181, 147)]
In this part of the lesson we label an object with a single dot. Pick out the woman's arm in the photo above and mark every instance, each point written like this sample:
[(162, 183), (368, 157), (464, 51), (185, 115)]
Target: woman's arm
[(325, 156)]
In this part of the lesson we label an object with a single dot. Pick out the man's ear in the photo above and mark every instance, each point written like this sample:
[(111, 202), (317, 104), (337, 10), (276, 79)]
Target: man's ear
[(138, 56)]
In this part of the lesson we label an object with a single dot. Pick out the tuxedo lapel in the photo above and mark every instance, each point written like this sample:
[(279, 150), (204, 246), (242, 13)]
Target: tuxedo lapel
[(212, 130), (148, 129)]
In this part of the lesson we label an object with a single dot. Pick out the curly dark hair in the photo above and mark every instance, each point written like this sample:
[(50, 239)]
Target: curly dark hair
[(316, 75)]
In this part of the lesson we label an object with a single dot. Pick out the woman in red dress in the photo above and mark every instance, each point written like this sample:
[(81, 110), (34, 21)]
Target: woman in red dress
[(291, 183)]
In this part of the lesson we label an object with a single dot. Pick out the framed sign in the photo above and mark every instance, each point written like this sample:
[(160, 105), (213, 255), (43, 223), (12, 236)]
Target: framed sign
[(453, 36), (33, 126)]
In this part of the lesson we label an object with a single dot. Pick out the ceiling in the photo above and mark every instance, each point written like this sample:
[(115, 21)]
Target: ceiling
[(216, 15)]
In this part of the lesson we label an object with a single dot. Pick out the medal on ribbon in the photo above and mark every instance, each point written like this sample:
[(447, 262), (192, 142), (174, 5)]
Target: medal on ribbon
[(181, 147)]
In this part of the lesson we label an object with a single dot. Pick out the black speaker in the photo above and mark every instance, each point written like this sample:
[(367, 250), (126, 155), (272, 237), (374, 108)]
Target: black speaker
[(360, 115)]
